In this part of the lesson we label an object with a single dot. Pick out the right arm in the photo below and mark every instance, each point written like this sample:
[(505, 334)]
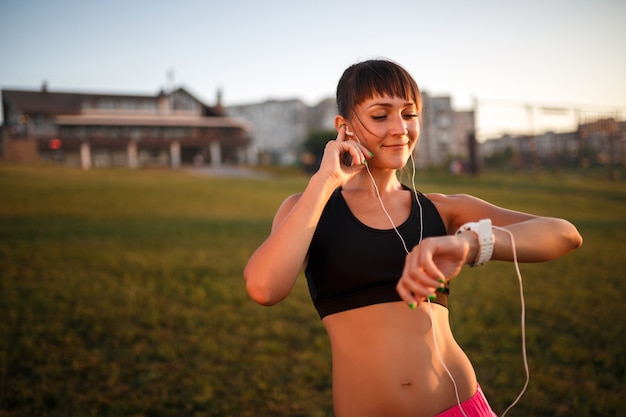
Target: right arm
[(273, 268)]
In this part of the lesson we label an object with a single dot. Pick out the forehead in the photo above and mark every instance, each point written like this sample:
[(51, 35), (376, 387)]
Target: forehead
[(386, 100)]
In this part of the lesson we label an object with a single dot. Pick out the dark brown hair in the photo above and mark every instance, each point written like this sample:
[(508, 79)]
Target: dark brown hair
[(367, 79)]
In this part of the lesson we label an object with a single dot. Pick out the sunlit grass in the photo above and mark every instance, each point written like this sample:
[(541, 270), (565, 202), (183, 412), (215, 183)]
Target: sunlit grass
[(121, 295)]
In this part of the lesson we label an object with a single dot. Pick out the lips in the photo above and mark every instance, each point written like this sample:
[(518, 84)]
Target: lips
[(395, 146)]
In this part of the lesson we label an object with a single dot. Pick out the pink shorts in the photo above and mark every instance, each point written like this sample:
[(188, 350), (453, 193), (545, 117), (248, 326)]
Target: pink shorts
[(477, 406)]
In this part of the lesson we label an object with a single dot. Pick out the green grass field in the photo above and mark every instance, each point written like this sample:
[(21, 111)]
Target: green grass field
[(121, 294)]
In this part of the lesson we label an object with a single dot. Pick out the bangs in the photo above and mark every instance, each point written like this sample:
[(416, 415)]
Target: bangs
[(368, 79)]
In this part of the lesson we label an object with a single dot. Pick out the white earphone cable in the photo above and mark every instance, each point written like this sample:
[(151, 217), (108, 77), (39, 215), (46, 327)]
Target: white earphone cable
[(434, 326), (523, 319), (432, 317), (406, 249)]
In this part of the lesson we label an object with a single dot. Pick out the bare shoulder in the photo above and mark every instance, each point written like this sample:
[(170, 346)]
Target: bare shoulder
[(456, 201), (284, 209), (439, 198), (458, 209), (291, 201), (448, 206)]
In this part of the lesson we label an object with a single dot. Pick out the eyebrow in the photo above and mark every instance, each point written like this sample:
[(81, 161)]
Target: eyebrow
[(385, 104)]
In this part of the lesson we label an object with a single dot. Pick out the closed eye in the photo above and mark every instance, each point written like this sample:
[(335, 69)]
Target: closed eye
[(405, 116)]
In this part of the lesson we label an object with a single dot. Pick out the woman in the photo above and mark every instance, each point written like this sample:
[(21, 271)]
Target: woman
[(372, 246)]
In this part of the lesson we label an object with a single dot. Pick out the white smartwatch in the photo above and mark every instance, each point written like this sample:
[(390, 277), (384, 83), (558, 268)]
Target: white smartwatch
[(486, 239)]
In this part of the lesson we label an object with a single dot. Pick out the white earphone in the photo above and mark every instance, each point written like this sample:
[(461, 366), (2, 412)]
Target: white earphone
[(432, 317)]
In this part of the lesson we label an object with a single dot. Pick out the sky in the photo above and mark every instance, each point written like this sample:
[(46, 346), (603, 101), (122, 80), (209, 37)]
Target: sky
[(507, 60)]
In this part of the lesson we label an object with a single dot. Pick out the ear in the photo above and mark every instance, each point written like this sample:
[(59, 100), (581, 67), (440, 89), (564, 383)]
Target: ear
[(339, 120)]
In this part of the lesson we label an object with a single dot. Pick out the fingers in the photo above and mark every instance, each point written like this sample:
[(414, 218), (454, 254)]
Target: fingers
[(347, 158), (357, 154), (429, 266), (419, 281), (349, 153), (353, 156), (341, 133)]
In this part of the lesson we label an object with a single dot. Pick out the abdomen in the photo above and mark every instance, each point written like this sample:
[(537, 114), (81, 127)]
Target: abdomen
[(385, 361)]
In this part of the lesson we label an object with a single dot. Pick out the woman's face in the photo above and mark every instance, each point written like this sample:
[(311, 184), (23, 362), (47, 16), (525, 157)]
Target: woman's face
[(389, 128)]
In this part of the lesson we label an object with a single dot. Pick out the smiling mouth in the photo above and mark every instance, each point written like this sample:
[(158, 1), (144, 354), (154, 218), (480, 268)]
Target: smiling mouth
[(396, 146)]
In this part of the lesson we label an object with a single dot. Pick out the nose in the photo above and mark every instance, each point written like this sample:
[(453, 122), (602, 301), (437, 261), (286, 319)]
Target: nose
[(398, 126)]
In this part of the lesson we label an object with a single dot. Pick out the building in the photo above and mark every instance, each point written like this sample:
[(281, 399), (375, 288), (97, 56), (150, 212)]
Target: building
[(595, 142), (322, 115), (445, 132), (280, 128), (103, 130)]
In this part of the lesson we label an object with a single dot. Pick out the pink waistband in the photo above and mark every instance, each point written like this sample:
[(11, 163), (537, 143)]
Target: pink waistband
[(476, 406)]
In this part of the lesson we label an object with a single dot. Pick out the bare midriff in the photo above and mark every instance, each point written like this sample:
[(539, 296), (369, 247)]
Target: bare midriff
[(385, 361)]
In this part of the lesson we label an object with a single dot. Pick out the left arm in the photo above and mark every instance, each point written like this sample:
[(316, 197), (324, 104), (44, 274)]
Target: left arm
[(438, 259), (537, 238)]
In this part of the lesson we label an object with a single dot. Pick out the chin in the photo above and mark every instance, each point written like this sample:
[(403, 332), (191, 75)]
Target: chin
[(397, 164)]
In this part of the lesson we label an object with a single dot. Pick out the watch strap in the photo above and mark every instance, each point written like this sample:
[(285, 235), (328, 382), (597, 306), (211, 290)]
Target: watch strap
[(484, 232)]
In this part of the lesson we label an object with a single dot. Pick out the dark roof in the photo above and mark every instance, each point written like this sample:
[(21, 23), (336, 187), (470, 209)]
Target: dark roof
[(43, 101), (48, 102)]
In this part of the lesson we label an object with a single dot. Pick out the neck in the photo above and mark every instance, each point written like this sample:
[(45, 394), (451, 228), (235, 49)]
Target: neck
[(386, 181)]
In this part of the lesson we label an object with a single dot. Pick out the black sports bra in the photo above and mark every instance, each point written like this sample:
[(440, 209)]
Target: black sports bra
[(351, 265)]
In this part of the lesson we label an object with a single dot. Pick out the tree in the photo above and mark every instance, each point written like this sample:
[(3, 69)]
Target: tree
[(313, 147)]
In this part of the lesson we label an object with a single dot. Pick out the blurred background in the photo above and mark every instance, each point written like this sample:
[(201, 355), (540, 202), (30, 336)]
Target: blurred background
[(121, 290), (208, 83)]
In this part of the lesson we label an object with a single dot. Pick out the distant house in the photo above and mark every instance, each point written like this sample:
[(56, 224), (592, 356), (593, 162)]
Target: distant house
[(281, 127), (445, 132), (600, 141), (102, 130)]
